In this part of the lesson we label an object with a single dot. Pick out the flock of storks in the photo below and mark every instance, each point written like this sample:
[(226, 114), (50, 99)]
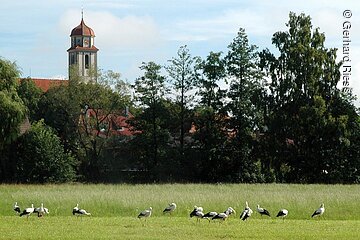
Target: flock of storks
[(198, 212)]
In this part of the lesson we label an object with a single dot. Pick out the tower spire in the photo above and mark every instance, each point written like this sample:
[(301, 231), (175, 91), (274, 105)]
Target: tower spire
[(82, 13)]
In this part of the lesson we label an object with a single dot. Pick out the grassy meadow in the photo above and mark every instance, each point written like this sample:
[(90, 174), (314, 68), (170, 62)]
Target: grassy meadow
[(114, 209)]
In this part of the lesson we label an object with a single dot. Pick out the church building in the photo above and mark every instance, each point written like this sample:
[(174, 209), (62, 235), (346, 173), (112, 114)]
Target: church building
[(83, 53)]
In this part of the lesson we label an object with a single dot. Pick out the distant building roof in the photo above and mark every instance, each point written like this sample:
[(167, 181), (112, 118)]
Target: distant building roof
[(116, 124), (46, 84), (82, 30)]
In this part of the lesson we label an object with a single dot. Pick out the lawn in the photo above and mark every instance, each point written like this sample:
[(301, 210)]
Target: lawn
[(114, 209)]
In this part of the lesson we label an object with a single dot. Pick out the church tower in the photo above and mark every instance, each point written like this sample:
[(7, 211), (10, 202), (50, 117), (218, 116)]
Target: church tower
[(83, 53)]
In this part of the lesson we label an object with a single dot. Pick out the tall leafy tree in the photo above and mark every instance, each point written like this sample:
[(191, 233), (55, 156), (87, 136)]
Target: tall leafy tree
[(245, 81), (150, 90), (30, 94), (12, 114), (209, 121), (182, 74), (209, 74), (209, 135), (307, 118)]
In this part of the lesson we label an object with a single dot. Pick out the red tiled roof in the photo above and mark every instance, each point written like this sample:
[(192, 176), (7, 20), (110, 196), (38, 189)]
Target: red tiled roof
[(117, 124), (82, 30), (45, 84)]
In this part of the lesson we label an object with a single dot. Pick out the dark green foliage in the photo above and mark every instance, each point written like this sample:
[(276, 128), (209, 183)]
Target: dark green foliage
[(12, 109), (12, 114), (41, 157), (182, 75), (150, 123), (30, 94), (209, 121), (245, 84), (309, 122)]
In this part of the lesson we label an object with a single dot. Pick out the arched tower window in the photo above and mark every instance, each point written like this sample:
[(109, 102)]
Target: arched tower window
[(87, 61)]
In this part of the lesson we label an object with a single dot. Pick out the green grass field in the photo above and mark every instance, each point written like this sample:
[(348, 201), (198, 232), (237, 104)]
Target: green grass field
[(114, 209)]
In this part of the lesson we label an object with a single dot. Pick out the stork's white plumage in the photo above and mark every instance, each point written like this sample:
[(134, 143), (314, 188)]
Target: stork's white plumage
[(80, 212), (83, 212), (199, 209), (210, 215), (195, 211), (146, 213), (262, 211), (170, 208), (246, 213), (17, 208), (282, 213), (41, 210), (320, 211), (75, 209), (221, 216), (230, 211), (46, 210), (28, 211)]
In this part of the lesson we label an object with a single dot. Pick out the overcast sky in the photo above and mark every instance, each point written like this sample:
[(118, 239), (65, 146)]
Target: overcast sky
[(35, 33)]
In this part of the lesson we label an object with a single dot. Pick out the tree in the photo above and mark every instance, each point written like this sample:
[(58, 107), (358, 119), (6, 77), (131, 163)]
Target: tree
[(12, 114), (149, 91), (81, 113), (30, 94), (113, 79), (60, 110), (309, 122), (41, 157), (210, 120), (95, 123), (182, 73), (245, 81)]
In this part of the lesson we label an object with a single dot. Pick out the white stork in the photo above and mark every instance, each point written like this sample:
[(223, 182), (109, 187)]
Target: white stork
[(145, 214), (17, 208), (170, 208), (196, 210), (221, 216), (320, 211), (28, 211), (210, 215), (282, 213), (197, 214), (80, 212), (75, 209), (230, 211), (262, 211), (199, 209), (41, 210), (246, 213)]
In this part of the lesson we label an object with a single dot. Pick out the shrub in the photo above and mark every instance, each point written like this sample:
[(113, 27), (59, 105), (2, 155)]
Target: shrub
[(41, 157)]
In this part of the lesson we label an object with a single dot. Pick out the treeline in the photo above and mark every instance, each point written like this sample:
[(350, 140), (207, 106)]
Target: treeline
[(241, 116)]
